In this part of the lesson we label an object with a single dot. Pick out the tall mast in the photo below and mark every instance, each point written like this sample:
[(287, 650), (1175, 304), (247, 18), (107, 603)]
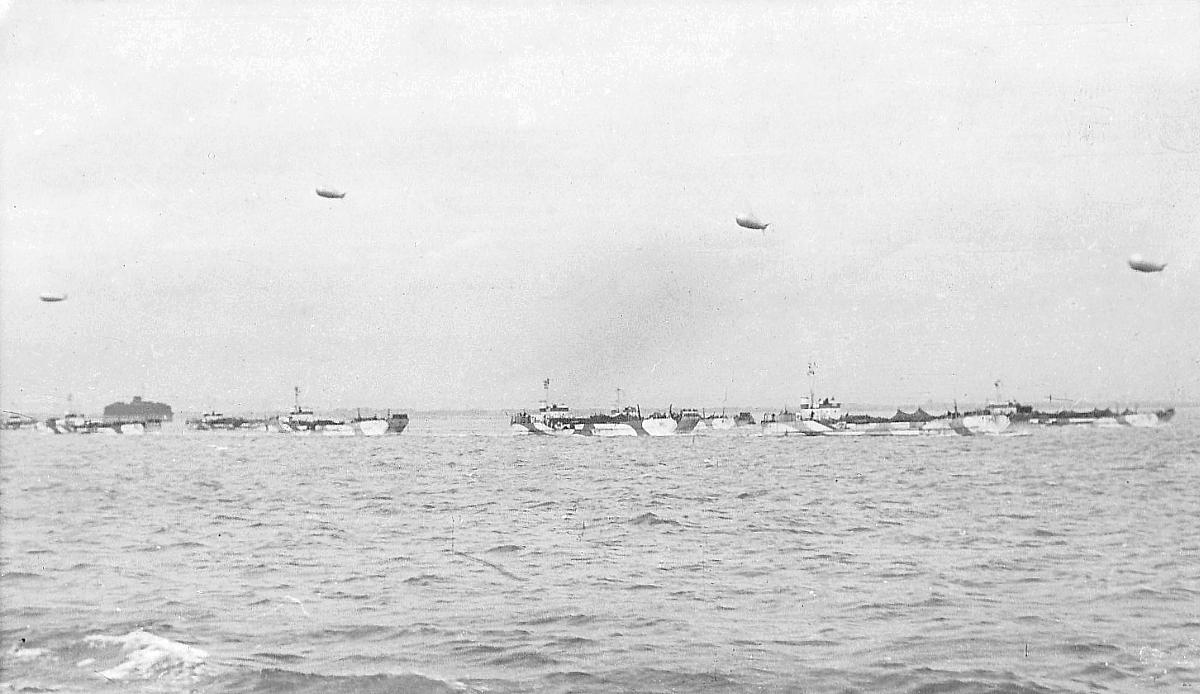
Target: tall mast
[(812, 380), (296, 391)]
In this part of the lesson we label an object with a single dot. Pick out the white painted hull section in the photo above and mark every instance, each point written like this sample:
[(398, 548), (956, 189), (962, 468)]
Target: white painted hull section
[(612, 430), (540, 429), (795, 427), (659, 426)]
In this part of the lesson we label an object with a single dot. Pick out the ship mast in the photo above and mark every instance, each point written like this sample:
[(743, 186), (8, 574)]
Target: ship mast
[(812, 380), (296, 392)]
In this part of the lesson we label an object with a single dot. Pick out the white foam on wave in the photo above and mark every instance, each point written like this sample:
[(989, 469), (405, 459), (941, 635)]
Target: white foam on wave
[(151, 657)]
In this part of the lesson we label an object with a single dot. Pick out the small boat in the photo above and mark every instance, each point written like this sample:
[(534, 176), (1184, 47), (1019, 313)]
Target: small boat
[(1137, 262)]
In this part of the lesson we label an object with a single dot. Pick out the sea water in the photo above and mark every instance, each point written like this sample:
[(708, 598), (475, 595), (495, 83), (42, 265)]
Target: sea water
[(457, 558)]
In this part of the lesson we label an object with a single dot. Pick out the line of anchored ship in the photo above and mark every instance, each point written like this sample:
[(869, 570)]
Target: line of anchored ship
[(298, 421), (826, 418)]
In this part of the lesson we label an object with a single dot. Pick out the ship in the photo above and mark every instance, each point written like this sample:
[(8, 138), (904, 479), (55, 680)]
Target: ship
[(724, 422), (829, 418), (922, 423), (135, 417), (1107, 417), (16, 420), (625, 421), (138, 410), (215, 421), (554, 419), (813, 418), (718, 422), (671, 423), (72, 423), (303, 421), (810, 420), (550, 420)]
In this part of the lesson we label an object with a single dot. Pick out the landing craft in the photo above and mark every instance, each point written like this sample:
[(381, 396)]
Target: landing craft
[(53, 298), (330, 193), (1137, 262), (749, 221)]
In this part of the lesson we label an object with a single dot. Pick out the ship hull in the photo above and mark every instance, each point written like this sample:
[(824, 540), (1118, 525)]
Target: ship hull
[(1140, 420), (657, 427), (247, 426), (540, 429), (968, 425), (661, 426), (795, 427), (612, 429), (58, 426), (223, 423), (361, 427)]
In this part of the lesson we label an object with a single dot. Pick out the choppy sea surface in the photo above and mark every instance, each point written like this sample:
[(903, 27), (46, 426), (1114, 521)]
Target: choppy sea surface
[(457, 558)]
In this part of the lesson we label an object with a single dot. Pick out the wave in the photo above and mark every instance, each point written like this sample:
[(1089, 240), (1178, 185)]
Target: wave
[(531, 659), (425, 580), (278, 680), (931, 681), (572, 619), (506, 548), (18, 575), (151, 657), (649, 518), (652, 679)]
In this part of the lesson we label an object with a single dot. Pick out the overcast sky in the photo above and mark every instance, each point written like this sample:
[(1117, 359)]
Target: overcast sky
[(548, 191)]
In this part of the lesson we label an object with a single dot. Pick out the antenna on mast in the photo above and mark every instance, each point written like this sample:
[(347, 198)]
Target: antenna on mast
[(812, 380)]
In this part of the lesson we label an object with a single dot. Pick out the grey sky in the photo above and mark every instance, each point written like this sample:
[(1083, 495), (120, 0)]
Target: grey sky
[(548, 190)]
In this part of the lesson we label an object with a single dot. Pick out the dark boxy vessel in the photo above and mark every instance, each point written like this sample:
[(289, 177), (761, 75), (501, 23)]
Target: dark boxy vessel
[(138, 410)]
